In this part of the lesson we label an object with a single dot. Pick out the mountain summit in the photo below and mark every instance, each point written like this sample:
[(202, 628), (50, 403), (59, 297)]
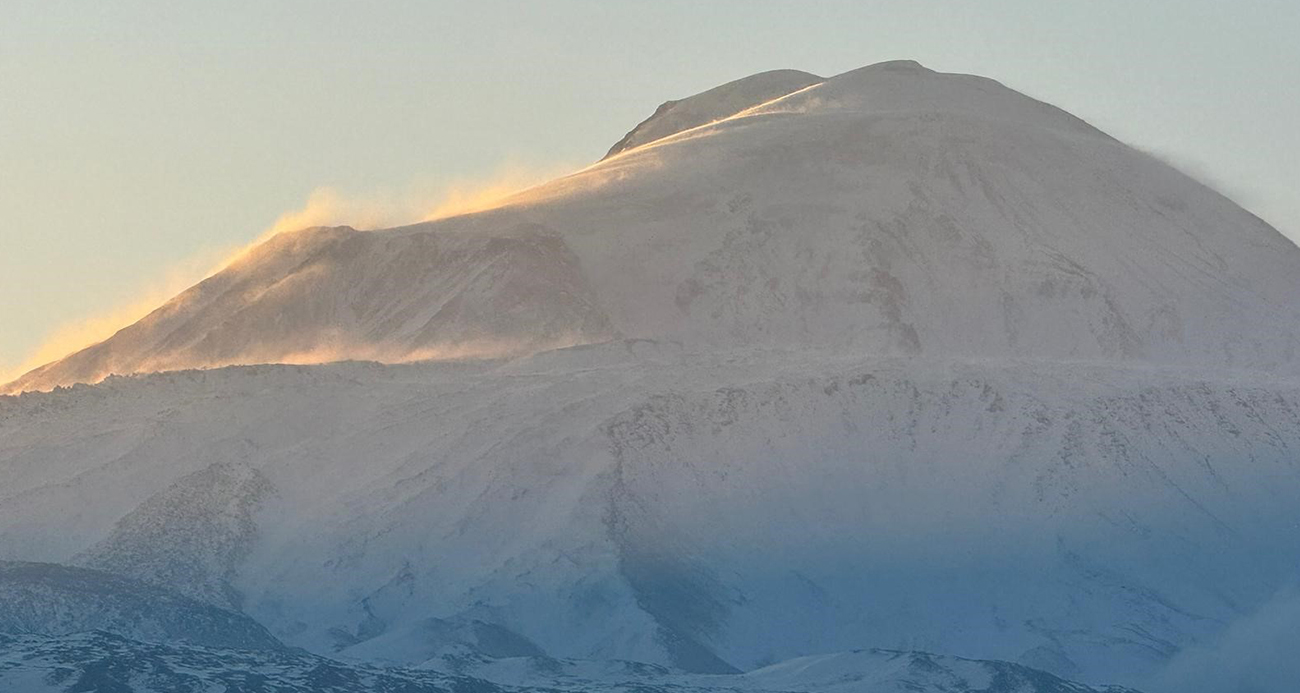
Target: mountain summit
[(890, 210)]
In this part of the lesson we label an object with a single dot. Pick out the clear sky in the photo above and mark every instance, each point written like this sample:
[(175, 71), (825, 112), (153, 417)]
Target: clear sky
[(142, 142)]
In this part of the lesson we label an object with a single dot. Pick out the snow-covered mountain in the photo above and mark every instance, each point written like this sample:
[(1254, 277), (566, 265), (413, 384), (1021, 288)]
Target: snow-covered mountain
[(888, 210), (895, 359)]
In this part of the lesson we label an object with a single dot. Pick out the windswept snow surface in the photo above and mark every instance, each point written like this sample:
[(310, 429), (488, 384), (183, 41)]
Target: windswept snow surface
[(899, 360)]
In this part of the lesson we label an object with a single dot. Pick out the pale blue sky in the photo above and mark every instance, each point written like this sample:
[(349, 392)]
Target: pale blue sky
[(139, 137)]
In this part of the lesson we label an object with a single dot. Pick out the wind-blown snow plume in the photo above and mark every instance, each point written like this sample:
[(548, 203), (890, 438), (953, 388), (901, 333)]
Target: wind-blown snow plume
[(469, 195), (329, 206), (325, 206)]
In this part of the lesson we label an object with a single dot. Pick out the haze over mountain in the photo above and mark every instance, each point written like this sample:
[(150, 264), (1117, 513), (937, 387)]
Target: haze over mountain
[(895, 359)]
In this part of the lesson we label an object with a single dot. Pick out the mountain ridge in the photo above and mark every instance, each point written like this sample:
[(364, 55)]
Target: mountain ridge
[(102, 661)]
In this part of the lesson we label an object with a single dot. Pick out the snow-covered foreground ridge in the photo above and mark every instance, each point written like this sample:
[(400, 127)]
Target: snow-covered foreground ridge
[(104, 662), (898, 359)]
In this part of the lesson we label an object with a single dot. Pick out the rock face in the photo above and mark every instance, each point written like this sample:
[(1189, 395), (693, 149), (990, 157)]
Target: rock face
[(191, 536), (899, 360)]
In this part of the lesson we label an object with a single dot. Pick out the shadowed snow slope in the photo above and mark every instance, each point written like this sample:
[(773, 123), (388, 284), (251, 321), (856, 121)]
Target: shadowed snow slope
[(888, 210), (59, 600)]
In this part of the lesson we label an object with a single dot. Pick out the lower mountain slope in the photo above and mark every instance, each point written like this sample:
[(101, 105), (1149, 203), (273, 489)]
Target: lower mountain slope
[(707, 512)]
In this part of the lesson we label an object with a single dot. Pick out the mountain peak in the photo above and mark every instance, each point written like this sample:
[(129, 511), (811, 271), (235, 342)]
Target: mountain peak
[(715, 104), (895, 65)]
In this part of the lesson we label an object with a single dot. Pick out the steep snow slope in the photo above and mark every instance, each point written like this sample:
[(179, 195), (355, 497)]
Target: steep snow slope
[(708, 512), (102, 662), (891, 210)]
